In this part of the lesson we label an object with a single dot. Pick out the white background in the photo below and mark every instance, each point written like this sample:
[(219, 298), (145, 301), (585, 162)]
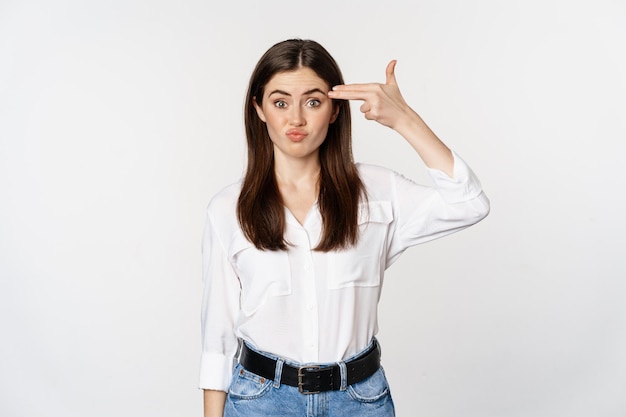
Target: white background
[(119, 120)]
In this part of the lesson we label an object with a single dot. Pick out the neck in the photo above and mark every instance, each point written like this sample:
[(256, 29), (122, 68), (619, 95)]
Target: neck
[(297, 171)]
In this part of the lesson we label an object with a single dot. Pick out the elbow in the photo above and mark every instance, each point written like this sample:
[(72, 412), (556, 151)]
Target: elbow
[(483, 207)]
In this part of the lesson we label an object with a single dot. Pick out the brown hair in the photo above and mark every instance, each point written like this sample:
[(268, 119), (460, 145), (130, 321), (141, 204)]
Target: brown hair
[(260, 208)]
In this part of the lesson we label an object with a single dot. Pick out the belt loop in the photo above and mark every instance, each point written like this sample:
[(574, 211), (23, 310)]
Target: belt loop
[(344, 376), (279, 372)]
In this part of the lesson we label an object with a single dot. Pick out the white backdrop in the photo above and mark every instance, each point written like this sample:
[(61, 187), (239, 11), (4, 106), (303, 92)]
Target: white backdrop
[(120, 119)]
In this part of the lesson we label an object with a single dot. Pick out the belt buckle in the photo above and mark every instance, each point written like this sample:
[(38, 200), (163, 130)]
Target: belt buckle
[(301, 375)]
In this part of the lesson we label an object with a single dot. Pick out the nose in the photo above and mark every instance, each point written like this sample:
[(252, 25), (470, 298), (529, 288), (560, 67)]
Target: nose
[(296, 117)]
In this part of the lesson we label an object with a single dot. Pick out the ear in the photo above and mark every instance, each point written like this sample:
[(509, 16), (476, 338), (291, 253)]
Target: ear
[(259, 110), (335, 113)]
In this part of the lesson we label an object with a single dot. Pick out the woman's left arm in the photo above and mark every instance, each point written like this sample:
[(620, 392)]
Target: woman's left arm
[(384, 104)]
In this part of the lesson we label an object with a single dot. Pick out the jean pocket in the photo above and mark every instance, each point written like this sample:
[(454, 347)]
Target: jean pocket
[(248, 386), (371, 389)]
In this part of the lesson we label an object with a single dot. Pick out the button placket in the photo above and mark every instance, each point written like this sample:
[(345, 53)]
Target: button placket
[(311, 327)]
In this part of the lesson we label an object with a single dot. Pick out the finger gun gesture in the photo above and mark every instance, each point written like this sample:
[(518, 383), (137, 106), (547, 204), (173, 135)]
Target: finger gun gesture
[(381, 102)]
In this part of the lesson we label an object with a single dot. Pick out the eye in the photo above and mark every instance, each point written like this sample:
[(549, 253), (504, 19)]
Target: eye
[(281, 104), (313, 103)]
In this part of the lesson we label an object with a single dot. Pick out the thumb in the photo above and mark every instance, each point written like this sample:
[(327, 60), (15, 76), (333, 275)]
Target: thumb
[(391, 77)]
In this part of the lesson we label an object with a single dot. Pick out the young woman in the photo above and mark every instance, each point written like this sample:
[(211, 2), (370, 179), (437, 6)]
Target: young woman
[(294, 254)]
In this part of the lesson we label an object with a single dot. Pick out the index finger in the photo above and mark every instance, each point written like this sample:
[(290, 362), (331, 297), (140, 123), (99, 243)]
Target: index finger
[(352, 91)]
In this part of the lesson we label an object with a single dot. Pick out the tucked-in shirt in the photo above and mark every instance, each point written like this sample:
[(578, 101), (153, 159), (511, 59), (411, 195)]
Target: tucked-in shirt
[(309, 306)]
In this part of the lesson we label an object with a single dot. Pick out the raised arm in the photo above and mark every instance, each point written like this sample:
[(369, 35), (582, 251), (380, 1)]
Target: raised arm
[(384, 104)]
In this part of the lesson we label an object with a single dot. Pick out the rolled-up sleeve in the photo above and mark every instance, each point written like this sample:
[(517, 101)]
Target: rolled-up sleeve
[(426, 213), (220, 304)]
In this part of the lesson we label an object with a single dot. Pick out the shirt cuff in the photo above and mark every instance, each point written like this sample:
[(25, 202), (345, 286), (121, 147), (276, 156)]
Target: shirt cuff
[(464, 186), (216, 371)]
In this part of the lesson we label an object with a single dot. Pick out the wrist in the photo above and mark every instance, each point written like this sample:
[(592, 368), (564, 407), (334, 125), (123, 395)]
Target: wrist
[(412, 126)]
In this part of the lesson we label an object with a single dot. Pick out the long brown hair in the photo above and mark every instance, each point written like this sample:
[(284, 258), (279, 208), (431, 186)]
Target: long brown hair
[(260, 208)]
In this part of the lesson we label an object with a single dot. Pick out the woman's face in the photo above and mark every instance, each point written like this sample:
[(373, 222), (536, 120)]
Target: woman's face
[(297, 111)]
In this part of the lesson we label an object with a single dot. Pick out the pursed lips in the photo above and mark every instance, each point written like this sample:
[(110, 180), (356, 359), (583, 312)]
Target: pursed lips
[(296, 135)]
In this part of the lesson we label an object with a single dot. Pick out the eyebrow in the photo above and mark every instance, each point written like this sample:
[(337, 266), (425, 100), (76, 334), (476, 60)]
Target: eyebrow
[(306, 93)]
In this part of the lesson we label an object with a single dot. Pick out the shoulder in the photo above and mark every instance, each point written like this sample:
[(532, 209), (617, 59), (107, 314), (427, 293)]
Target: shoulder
[(372, 175), (224, 202), (377, 179), (384, 183), (221, 215)]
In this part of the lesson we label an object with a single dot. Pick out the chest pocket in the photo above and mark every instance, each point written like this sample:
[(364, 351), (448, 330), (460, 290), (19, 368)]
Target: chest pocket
[(262, 274), (363, 265)]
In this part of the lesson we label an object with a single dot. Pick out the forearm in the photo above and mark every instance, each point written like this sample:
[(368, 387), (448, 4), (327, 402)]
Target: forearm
[(430, 148), (214, 403), (384, 103)]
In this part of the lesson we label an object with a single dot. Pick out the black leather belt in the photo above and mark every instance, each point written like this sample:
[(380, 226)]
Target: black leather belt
[(312, 379)]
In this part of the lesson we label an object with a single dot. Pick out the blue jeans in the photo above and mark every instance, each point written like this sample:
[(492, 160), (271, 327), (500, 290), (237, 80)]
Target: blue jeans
[(251, 395)]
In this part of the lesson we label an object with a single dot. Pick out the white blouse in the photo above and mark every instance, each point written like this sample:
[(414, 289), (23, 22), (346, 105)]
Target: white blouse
[(316, 307)]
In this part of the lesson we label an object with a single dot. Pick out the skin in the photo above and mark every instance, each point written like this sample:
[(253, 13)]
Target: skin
[(214, 403), (287, 107)]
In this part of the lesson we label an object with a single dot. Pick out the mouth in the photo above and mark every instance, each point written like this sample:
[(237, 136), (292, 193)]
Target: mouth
[(296, 135)]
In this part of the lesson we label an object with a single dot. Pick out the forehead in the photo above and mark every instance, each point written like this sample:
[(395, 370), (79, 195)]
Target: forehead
[(302, 79)]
